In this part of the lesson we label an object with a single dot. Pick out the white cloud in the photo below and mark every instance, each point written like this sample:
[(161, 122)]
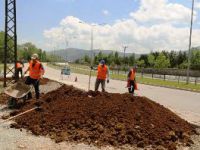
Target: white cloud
[(105, 12), (162, 34), (197, 5), (162, 11)]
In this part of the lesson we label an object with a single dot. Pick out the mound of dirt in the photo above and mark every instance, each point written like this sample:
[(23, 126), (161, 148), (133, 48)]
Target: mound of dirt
[(3, 98), (69, 114)]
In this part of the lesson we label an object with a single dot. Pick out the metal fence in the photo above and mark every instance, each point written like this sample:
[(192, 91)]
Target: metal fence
[(178, 75)]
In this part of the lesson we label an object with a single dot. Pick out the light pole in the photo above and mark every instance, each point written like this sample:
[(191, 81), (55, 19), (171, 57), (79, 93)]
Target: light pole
[(125, 47), (190, 41), (91, 49), (91, 57)]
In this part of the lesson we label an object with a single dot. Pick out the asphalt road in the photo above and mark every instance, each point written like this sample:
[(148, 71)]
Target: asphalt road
[(184, 103)]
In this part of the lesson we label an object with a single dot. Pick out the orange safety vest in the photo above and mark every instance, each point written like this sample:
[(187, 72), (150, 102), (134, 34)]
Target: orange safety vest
[(36, 71), (19, 65), (132, 76), (101, 72)]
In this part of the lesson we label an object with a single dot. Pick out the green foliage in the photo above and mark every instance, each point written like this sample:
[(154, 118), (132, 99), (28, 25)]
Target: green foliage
[(183, 65), (87, 59), (195, 60), (173, 59), (26, 50), (181, 58), (144, 57), (151, 60), (162, 61), (141, 63), (131, 60)]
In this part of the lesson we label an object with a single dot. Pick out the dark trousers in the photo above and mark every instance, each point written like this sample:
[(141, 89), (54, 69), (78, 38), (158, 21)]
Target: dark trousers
[(132, 87), (19, 70), (102, 82), (35, 83)]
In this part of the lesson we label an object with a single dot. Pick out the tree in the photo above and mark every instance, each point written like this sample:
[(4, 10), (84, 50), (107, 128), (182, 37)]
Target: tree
[(110, 58), (195, 60), (182, 57), (156, 54), (145, 58), (132, 59), (173, 59), (117, 59), (151, 60), (140, 63), (86, 59), (162, 61)]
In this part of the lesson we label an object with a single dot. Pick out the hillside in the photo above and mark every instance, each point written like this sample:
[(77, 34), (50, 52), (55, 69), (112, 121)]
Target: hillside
[(72, 54)]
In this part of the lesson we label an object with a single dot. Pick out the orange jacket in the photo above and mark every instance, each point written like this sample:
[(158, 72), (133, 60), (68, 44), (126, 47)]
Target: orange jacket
[(35, 70), (102, 72), (19, 65), (132, 75)]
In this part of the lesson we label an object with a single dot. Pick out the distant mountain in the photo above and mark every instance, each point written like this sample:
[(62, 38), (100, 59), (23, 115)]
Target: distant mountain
[(72, 54)]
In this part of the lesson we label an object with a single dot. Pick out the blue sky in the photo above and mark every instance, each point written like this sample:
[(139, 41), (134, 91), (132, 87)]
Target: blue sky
[(34, 17)]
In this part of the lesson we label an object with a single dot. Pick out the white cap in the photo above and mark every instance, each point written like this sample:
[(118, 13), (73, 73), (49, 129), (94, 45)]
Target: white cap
[(34, 56)]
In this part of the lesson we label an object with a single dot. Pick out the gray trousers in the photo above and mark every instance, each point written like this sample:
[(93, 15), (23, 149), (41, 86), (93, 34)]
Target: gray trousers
[(102, 82)]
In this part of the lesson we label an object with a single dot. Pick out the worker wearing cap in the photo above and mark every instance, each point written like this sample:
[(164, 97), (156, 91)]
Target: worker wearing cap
[(102, 73), (36, 71), (131, 80), (19, 67)]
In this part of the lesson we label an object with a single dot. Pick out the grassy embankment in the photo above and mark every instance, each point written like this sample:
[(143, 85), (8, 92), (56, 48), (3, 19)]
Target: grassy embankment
[(82, 69)]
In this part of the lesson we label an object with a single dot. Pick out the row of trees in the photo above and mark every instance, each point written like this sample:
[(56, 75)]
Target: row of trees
[(162, 59), (24, 51)]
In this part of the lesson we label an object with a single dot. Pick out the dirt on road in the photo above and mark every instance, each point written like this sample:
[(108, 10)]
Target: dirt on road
[(69, 114)]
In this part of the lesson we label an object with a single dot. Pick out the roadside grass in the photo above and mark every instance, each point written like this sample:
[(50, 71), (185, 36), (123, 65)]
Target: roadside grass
[(80, 69)]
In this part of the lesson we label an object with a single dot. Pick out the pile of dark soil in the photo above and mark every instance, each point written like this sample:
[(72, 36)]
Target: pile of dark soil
[(3, 98), (69, 114)]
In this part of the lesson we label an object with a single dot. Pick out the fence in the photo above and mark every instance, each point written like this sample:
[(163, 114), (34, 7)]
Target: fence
[(178, 75)]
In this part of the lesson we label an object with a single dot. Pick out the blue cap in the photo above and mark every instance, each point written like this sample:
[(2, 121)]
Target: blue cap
[(102, 62)]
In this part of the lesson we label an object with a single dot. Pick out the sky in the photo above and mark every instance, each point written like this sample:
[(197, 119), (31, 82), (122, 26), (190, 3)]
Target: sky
[(142, 25)]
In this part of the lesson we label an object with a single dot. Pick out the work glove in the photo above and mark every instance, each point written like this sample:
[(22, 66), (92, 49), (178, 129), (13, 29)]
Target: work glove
[(108, 80)]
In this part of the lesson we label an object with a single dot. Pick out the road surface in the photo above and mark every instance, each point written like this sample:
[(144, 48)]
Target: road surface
[(184, 103)]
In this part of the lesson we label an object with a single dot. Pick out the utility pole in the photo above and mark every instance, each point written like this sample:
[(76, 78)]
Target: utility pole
[(91, 57), (10, 39), (91, 49), (125, 47), (190, 42)]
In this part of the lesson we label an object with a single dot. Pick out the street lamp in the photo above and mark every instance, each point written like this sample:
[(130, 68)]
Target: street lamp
[(190, 41)]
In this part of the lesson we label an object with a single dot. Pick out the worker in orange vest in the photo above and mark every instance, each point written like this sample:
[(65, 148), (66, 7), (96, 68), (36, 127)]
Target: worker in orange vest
[(19, 67), (36, 71), (102, 73), (131, 80)]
